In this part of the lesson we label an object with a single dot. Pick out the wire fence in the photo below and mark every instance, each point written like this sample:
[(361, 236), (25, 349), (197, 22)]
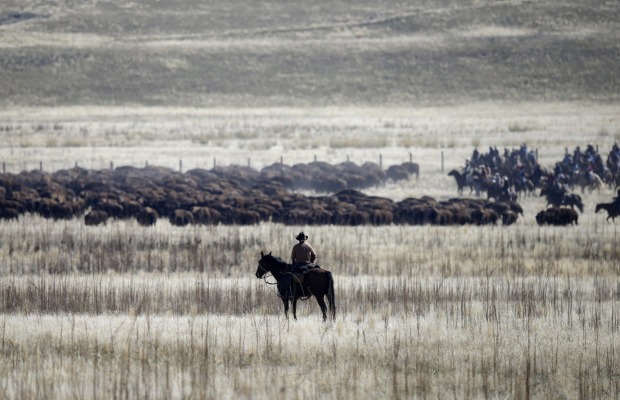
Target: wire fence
[(182, 165)]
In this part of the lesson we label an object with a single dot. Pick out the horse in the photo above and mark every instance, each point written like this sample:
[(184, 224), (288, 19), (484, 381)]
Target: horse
[(560, 197), (554, 194), (613, 210), (593, 182), (317, 282), (461, 180), (526, 186), (572, 200)]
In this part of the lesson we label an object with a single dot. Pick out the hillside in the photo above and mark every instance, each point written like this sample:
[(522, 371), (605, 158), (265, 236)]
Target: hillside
[(312, 53)]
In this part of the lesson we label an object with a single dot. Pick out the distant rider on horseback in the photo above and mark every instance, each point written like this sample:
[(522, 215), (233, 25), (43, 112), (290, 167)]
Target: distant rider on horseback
[(303, 257)]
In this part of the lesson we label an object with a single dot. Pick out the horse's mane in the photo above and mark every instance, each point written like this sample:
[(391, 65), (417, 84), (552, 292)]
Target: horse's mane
[(276, 259)]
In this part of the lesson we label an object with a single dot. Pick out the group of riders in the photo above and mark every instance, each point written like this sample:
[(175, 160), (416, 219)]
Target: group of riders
[(503, 176), (588, 164), (517, 171)]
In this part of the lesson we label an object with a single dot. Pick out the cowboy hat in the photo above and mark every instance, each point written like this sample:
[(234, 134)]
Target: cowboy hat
[(301, 236)]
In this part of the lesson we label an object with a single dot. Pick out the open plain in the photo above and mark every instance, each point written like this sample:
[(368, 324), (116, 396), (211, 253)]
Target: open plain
[(125, 311)]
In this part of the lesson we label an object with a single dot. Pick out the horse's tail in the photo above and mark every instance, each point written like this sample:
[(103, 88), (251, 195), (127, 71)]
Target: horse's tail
[(331, 296)]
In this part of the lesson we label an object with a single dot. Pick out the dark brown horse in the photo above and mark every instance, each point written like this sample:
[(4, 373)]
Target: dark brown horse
[(317, 282), (461, 181), (560, 197), (613, 210)]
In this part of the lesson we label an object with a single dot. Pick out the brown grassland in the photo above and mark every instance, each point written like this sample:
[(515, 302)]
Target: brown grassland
[(122, 311), (126, 312)]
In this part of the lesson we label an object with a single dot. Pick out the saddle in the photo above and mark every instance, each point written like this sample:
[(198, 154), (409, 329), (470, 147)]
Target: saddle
[(299, 271)]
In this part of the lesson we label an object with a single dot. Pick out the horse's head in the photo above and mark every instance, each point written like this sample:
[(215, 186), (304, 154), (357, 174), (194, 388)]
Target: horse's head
[(263, 265), (269, 263)]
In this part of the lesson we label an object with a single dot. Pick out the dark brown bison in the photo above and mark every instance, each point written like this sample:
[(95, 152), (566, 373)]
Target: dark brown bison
[(509, 217), (202, 215), (557, 216), (95, 217), (9, 213), (381, 217), (181, 218), (484, 216), (50, 208), (147, 216), (246, 217), (397, 173), (413, 168), (112, 207)]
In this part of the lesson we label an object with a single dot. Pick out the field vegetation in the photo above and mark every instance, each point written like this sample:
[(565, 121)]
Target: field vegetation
[(124, 311)]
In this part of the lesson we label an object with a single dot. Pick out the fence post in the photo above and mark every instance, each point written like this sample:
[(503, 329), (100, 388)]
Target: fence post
[(214, 162), (410, 157), (76, 164), (315, 158), (40, 165), (181, 166), (442, 161), (146, 164), (347, 158), (111, 165), (281, 160), (3, 167), (381, 161), (248, 162)]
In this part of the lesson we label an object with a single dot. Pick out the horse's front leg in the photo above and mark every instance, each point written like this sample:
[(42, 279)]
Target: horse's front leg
[(295, 307), (285, 301)]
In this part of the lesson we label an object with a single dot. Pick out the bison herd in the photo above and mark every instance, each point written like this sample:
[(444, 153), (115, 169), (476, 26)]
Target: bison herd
[(243, 196), (231, 195)]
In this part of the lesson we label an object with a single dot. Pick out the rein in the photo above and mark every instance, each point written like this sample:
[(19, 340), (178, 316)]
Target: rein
[(264, 278), (304, 296)]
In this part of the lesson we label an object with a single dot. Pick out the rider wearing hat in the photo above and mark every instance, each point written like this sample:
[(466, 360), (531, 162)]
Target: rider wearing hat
[(302, 254), (303, 257)]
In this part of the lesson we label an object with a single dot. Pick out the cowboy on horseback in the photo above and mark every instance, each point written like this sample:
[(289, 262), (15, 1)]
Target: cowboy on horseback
[(303, 255)]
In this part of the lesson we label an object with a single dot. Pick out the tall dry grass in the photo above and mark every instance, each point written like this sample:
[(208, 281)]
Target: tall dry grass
[(127, 312), (395, 337)]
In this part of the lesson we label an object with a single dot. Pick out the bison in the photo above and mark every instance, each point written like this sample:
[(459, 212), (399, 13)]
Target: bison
[(147, 217), (181, 218), (95, 217), (557, 216)]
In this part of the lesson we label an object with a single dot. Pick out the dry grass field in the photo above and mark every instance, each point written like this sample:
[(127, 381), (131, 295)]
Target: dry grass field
[(126, 312), (166, 312), (123, 311)]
